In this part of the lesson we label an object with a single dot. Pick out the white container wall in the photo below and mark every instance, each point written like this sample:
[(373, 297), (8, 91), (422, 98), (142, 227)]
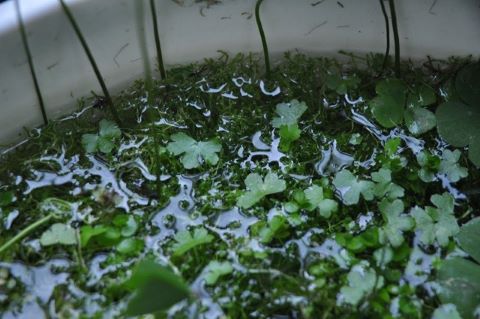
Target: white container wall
[(192, 32)]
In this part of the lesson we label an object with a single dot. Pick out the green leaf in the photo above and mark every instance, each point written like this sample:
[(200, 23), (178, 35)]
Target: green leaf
[(447, 311), (276, 228), (104, 141), (258, 188), (450, 168), (194, 153), (6, 198), (384, 188), (288, 135), (436, 224), (215, 270), (156, 289), (130, 246), (325, 206), (350, 187), (89, 142), (397, 222), (88, 232), (459, 125), (467, 84), (361, 282), (460, 286), (288, 113), (419, 120), (185, 241), (424, 95), (127, 223), (110, 130), (388, 107), (58, 234), (430, 165), (469, 238), (341, 85)]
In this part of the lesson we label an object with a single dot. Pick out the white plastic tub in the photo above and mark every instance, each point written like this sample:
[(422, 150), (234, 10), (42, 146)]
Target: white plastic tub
[(193, 32)]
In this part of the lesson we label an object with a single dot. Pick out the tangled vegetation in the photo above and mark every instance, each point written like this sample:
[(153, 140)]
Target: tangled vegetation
[(327, 191)]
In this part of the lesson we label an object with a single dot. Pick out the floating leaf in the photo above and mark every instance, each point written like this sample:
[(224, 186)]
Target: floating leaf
[(276, 228), (419, 120), (88, 232), (215, 270), (423, 95), (104, 141), (430, 165), (258, 188), (129, 246), (156, 289), (459, 125), (389, 105), (340, 84), (449, 166), (185, 241), (397, 221), (361, 282), (436, 223), (469, 238), (460, 286), (384, 188), (288, 135), (325, 206), (58, 234), (194, 153), (351, 188), (447, 311), (288, 113)]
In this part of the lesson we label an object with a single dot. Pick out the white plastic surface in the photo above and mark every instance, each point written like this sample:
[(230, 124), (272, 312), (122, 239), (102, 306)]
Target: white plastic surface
[(439, 28)]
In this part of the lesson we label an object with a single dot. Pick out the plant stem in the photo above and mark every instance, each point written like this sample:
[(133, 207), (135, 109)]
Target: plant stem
[(396, 37), (23, 34), (76, 28), (264, 40), (387, 31), (25, 232), (161, 66)]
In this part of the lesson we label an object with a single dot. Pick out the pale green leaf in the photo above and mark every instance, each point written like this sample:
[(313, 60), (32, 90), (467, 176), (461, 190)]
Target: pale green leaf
[(350, 187), (446, 311), (325, 206), (215, 270), (396, 221), (58, 234), (258, 188), (194, 153), (288, 113), (361, 282), (185, 241), (450, 168)]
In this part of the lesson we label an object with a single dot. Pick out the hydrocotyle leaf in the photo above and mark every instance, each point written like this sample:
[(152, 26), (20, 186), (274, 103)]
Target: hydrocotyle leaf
[(469, 238), (215, 270), (361, 282), (156, 289), (350, 187), (258, 188), (194, 153), (288, 113), (325, 206), (460, 286), (459, 125), (58, 234), (388, 107), (185, 241), (396, 221)]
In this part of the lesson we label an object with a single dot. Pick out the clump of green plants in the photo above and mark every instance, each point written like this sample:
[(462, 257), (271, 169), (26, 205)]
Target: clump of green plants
[(207, 200)]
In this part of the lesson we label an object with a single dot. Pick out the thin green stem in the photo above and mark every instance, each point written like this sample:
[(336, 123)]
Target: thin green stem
[(396, 37), (161, 66), (76, 28), (23, 33), (25, 232), (264, 40), (387, 31)]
